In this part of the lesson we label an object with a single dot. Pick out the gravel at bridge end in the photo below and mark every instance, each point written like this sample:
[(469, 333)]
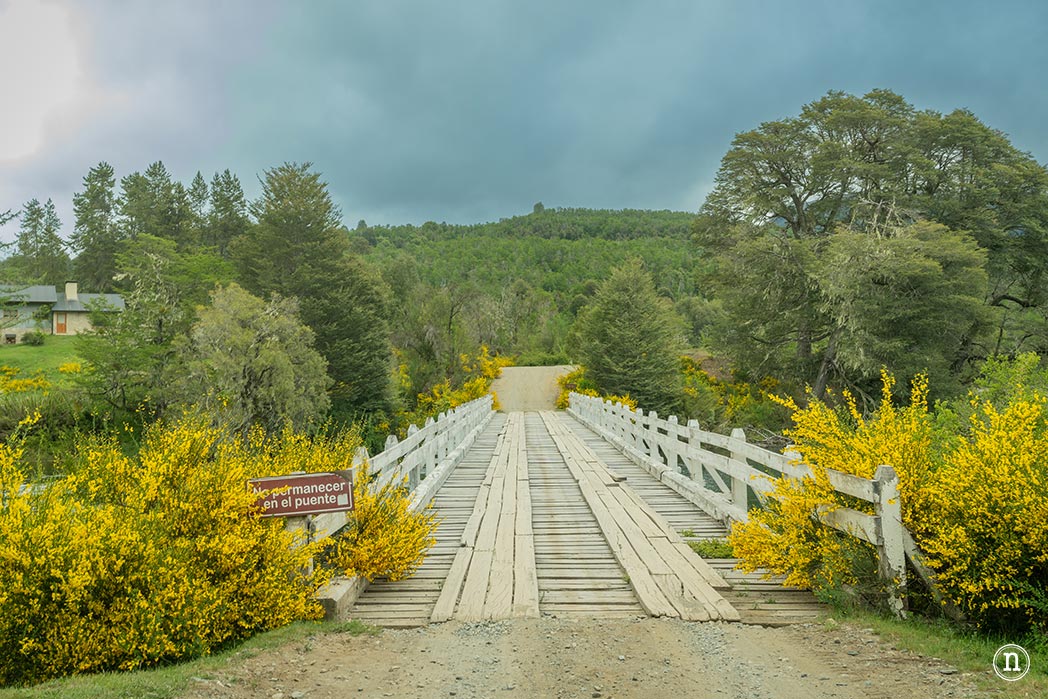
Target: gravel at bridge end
[(524, 388), (560, 658)]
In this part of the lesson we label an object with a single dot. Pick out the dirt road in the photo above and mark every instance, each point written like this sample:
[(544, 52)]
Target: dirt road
[(592, 659), (523, 388)]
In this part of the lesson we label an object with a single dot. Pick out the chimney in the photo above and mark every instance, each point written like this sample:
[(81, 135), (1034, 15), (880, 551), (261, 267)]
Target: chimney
[(70, 292)]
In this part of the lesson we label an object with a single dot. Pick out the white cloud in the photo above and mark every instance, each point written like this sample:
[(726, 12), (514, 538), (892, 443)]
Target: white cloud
[(42, 76)]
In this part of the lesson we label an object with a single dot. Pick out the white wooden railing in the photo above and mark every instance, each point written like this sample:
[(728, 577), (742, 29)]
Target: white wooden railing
[(726, 476), (426, 457)]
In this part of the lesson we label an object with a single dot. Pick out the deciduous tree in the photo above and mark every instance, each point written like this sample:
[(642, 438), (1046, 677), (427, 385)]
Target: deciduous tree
[(873, 166), (247, 361)]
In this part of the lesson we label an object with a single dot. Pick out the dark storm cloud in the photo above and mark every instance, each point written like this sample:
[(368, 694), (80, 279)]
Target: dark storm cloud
[(474, 110)]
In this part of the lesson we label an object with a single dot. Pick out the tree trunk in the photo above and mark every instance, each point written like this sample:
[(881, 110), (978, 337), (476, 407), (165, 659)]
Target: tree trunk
[(823, 378)]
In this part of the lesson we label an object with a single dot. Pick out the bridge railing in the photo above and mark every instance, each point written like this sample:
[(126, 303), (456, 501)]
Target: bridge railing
[(426, 457), (726, 476)]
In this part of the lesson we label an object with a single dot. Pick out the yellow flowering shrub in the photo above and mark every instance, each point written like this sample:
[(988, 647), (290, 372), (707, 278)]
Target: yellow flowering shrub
[(383, 538), (786, 538), (987, 536), (484, 364), (70, 368), (131, 561), (479, 370), (11, 383), (577, 381), (976, 501), (721, 405)]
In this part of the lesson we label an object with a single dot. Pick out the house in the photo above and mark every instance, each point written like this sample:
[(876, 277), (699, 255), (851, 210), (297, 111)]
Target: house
[(44, 309), (69, 315)]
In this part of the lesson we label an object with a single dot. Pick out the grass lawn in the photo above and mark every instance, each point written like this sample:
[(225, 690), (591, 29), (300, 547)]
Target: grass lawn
[(48, 357), (172, 681), (965, 651)]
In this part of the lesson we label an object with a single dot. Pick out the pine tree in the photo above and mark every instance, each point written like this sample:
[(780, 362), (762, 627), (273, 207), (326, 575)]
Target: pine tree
[(299, 248), (42, 258), (152, 203), (198, 196), (227, 218), (96, 237), (629, 340)]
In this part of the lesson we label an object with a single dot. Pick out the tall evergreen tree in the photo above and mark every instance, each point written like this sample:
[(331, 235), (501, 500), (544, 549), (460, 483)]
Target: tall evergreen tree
[(227, 218), (96, 236), (40, 247), (152, 203), (198, 197), (299, 248), (630, 340)]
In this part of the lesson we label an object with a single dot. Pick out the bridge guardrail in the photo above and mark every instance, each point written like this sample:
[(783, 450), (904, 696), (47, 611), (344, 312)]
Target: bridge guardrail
[(427, 456), (688, 459)]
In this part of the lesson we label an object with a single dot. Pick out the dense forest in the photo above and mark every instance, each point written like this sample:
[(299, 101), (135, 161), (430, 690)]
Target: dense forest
[(391, 311)]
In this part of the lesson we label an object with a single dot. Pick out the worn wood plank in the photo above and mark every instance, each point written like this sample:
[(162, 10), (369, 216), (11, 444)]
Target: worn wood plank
[(641, 538), (525, 578)]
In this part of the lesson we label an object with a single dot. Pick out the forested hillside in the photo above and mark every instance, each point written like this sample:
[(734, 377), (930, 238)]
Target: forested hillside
[(517, 284)]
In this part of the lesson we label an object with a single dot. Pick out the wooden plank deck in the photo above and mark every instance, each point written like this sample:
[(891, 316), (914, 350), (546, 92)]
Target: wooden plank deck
[(494, 573), (410, 602), (669, 578), (525, 522), (758, 600), (578, 574)]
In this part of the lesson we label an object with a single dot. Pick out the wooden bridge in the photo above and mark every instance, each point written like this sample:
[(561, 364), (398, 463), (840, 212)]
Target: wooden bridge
[(540, 514)]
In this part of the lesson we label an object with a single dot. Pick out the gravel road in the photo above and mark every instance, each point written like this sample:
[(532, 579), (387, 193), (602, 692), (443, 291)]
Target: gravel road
[(559, 658), (523, 388)]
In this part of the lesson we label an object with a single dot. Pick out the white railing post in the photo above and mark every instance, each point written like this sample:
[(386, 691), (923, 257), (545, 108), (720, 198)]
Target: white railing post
[(695, 442), (652, 434), (430, 445), (739, 493), (891, 551), (418, 464), (359, 464), (672, 443), (633, 427), (442, 437)]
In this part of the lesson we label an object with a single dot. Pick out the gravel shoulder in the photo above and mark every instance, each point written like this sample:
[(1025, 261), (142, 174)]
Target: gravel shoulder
[(561, 658)]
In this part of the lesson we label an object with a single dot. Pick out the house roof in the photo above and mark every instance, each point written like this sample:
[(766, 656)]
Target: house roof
[(31, 294), (81, 305)]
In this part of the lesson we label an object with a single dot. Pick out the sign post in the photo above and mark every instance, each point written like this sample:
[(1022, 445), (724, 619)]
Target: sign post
[(299, 496)]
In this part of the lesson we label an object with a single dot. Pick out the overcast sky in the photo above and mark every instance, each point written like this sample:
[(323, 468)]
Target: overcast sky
[(473, 110)]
